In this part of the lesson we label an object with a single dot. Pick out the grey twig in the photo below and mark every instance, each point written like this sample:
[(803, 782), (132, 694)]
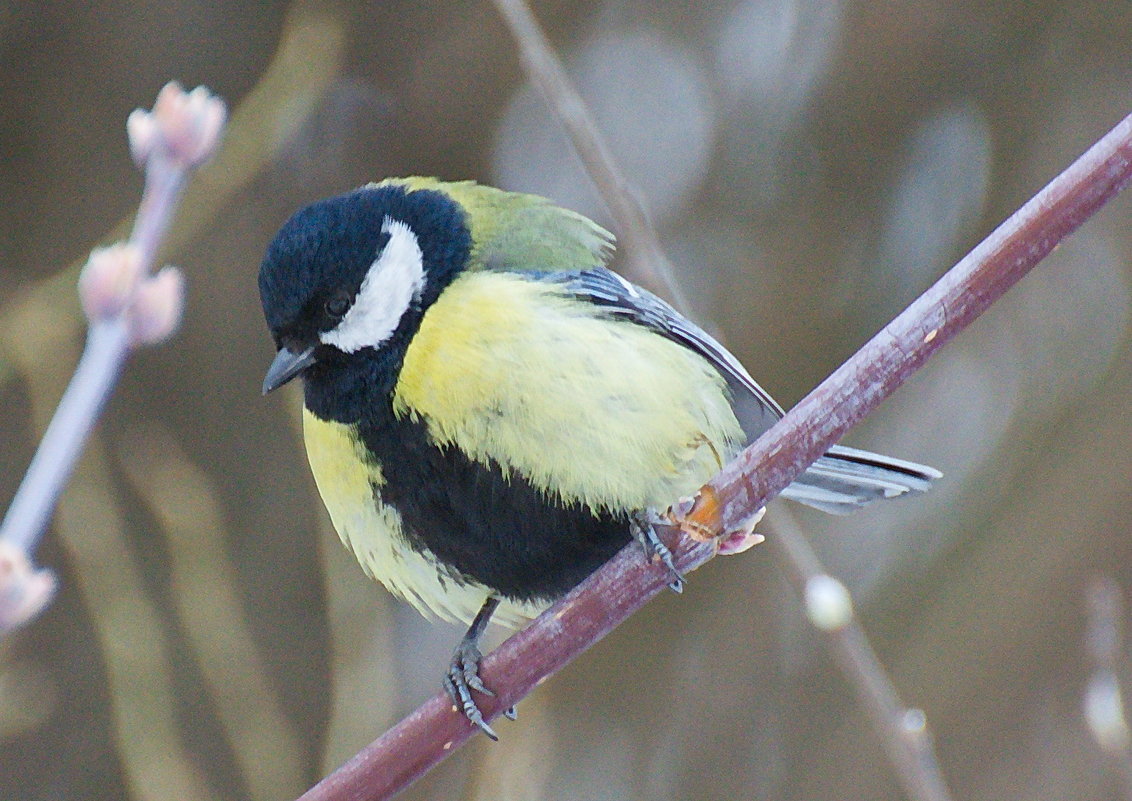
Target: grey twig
[(637, 238), (909, 749), (903, 731), (63, 440), (126, 304), (624, 584)]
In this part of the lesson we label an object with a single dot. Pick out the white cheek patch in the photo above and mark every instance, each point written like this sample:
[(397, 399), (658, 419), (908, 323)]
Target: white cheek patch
[(394, 281)]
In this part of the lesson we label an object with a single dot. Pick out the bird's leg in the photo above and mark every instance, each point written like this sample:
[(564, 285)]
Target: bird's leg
[(463, 674), (642, 525)]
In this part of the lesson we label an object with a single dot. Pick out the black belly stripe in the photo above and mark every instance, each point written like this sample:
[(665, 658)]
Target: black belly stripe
[(480, 523), (494, 528)]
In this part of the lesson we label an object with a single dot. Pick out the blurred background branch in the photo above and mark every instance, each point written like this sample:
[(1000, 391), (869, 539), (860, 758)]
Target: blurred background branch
[(128, 302), (902, 731), (647, 261), (308, 59), (910, 751), (138, 647)]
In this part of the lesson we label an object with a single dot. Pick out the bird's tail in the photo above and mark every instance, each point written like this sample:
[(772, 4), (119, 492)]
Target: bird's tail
[(846, 479)]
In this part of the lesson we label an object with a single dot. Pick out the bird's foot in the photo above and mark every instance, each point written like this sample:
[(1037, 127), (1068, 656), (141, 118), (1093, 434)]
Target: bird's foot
[(462, 678), (643, 527)]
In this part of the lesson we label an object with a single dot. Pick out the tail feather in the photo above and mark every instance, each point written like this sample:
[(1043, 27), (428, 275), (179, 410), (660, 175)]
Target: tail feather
[(845, 479)]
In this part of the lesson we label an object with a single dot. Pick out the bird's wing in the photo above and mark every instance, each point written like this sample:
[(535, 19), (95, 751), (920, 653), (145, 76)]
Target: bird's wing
[(842, 480), (754, 408)]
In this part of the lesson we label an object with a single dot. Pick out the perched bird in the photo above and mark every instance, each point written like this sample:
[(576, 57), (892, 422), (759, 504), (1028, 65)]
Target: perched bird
[(490, 413)]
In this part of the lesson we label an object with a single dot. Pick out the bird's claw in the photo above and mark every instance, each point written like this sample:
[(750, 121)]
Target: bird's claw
[(462, 677), (643, 527)]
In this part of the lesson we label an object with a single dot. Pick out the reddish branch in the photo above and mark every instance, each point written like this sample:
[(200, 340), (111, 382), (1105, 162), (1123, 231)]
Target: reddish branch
[(889, 358), (608, 597)]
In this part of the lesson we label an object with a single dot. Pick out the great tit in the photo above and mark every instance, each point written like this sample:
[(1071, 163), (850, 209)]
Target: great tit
[(491, 413)]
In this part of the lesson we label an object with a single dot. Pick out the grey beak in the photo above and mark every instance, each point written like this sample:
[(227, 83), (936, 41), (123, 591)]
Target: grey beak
[(286, 366)]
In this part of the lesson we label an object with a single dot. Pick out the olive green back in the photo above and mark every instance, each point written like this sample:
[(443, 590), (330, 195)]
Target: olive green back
[(515, 231)]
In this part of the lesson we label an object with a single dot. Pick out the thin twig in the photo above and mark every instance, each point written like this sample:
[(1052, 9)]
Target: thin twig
[(127, 304), (910, 751), (624, 584), (68, 430), (903, 731), (638, 240)]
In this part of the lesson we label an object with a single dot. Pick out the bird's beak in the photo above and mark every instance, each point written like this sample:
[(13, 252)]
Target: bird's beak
[(286, 366)]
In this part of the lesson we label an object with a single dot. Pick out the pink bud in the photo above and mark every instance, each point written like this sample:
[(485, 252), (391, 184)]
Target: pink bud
[(141, 130), (157, 307), (183, 126), (107, 280), (24, 590)]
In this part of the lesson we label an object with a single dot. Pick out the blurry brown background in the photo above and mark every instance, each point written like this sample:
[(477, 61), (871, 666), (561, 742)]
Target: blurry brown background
[(812, 165)]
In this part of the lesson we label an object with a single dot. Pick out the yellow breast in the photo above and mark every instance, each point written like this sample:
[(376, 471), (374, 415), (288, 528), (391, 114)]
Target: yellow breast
[(610, 415)]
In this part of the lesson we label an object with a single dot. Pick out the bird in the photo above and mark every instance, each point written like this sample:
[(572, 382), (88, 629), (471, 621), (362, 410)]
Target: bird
[(490, 413)]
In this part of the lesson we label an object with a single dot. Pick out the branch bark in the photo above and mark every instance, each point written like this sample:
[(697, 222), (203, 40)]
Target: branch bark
[(887, 360)]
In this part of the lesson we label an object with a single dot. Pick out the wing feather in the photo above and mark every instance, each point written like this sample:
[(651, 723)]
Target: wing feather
[(842, 480), (754, 408)]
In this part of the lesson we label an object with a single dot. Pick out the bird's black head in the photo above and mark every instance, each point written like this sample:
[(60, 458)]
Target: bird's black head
[(351, 275)]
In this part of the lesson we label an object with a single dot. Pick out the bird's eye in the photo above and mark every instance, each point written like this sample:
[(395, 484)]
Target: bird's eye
[(337, 307)]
